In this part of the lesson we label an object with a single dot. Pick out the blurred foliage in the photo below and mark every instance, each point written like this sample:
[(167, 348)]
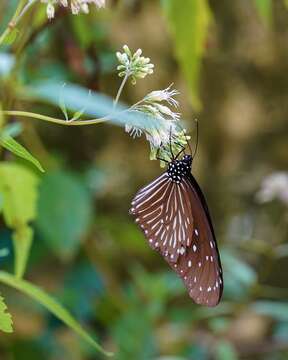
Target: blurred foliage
[(64, 202), (68, 230), (265, 9), (196, 13), (5, 318), (18, 187)]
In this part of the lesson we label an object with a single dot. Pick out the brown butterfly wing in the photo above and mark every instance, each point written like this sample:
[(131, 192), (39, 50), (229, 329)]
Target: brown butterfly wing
[(164, 216), (176, 222)]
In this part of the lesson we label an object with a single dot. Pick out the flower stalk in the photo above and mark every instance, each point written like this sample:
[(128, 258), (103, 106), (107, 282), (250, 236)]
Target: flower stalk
[(50, 119), (20, 11), (123, 83)]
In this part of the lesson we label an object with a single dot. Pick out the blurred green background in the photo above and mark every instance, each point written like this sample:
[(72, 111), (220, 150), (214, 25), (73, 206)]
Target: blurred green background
[(87, 251)]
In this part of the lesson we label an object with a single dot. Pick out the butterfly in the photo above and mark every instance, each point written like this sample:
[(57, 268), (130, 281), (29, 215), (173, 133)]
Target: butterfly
[(173, 214)]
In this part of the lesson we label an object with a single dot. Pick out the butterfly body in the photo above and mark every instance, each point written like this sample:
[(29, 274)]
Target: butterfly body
[(177, 169), (173, 214)]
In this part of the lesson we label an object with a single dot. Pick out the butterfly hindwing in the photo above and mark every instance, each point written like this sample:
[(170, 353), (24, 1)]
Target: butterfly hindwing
[(200, 267)]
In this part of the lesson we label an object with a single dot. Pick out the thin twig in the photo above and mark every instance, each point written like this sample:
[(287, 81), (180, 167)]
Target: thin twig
[(55, 120), (121, 89), (19, 13)]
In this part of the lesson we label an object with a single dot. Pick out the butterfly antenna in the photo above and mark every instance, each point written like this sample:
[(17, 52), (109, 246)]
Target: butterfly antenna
[(170, 143), (188, 143), (187, 140), (197, 139)]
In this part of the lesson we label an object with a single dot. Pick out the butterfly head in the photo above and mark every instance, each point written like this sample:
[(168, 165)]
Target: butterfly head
[(187, 159)]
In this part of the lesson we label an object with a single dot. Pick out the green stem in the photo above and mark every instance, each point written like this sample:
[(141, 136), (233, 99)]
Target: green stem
[(121, 89), (134, 106), (54, 120), (20, 11), (50, 119)]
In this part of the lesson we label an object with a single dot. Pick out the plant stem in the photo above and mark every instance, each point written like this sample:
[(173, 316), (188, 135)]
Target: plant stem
[(54, 120), (134, 106), (20, 11), (50, 119), (121, 89)]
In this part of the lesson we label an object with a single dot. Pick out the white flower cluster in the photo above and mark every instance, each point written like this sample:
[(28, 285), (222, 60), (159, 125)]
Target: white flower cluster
[(167, 133), (274, 186), (164, 131), (151, 105), (76, 6), (133, 65)]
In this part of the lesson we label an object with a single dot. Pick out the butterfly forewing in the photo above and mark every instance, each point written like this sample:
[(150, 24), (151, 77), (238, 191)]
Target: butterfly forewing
[(164, 223), (174, 217)]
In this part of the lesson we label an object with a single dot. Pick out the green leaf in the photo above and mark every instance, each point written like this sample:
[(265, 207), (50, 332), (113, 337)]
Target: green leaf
[(77, 115), (22, 239), (286, 3), (188, 22), (9, 40), (11, 130), (225, 351), (18, 186), (145, 347), (4, 252), (64, 202), (5, 318), (240, 275), (280, 332), (1, 203), (264, 8), (50, 304), (62, 104), (17, 149), (274, 309)]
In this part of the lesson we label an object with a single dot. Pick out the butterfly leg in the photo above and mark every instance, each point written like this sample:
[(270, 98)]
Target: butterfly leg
[(181, 151), (159, 158)]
